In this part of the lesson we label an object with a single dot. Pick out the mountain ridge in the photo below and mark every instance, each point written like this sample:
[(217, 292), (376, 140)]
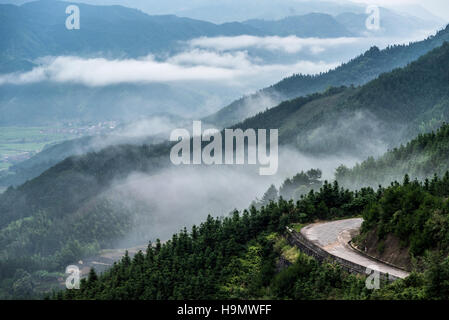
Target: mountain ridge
[(42, 31), (357, 71)]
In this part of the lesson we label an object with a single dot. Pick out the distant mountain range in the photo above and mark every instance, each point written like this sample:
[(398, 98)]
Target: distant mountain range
[(357, 71), (37, 29), (311, 25), (237, 10)]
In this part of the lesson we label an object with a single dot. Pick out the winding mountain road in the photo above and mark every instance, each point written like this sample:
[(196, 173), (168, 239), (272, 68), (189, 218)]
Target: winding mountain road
[(334, 237)]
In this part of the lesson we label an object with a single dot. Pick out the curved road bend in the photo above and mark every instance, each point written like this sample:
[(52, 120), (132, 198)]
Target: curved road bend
[(334, 237)]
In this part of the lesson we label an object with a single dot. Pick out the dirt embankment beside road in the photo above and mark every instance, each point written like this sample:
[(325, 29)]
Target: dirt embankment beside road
[(388, 249)]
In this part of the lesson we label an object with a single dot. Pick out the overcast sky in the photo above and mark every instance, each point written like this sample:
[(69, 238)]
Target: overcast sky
[(436, 7)]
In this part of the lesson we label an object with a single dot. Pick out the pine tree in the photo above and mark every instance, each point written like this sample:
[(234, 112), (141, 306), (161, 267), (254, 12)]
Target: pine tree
[(270, 195)]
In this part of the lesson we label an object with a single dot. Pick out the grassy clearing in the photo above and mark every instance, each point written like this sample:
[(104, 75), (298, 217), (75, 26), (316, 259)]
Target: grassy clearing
[(297, 226)]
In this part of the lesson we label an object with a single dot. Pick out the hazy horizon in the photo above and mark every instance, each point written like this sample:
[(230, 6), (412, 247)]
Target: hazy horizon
[(437, 8)]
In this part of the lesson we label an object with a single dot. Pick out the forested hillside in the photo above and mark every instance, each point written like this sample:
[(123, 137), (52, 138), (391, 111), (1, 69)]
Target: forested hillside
[(28, 169), (58, 218), (365, 120), (419, 158), (396, 100), (25, 170), (233, 257), (355, 72), (412, 219), (236, 257)]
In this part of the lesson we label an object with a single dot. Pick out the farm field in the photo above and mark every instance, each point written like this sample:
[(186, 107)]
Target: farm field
[(21, 143)]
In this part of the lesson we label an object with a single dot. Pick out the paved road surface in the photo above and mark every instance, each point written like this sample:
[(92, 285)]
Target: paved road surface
[(334, 237)]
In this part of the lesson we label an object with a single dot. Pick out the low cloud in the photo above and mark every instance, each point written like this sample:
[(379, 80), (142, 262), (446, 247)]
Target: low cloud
[(100, 72), (290, 44), (150, 130), (165, 202), (358, 133), (235, 68)]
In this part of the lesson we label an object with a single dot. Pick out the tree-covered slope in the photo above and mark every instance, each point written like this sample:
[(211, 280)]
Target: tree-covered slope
[(382, 113), (19, 173), (51, 155), (419, 158), (233, 257), (60, 207), (355, 72), (411, 219), (66, 186), (236, 257)]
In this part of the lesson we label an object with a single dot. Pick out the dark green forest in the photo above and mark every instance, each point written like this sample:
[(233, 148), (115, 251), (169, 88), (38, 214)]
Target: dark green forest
[(236, 257), (231, 257), (51, 221)]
